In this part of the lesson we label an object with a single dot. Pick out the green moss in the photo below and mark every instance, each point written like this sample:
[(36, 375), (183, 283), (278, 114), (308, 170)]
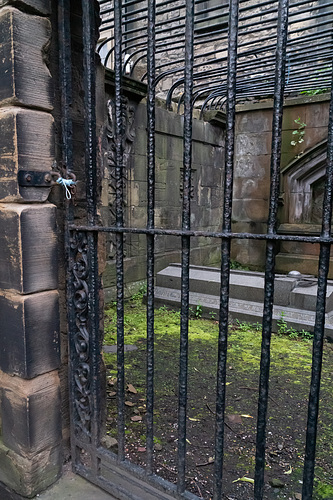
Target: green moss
[(244, 340), (290, 373), (323, 491)]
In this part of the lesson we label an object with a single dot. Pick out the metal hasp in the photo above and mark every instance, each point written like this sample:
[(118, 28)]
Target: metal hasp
[(33, 178)]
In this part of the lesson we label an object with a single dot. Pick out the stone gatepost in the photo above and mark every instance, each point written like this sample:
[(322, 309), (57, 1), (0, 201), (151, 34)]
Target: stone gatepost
[(30, 444)]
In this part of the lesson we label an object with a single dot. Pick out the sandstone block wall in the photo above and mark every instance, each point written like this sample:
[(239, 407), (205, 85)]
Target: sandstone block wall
[(207, 192), (251, 182), (252, 168), (30, 444)]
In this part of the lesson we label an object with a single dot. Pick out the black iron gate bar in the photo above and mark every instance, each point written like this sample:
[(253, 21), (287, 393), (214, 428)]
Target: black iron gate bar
[(324, 262), (204, 234), (282, 34), (83, 289), (119, 236), (185, 242), (151, 48), (225, 248), (92, 300)]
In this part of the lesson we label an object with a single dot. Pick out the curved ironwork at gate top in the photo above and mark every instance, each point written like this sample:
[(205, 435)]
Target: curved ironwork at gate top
[(308, 57), (90, 459)]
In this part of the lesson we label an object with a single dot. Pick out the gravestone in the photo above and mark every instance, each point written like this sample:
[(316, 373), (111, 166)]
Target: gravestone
[(295, 296)]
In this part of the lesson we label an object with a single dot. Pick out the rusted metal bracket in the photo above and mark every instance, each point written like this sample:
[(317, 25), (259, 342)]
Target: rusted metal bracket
[(35, 178)]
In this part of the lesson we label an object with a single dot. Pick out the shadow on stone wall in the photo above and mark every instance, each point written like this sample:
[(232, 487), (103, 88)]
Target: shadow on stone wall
[(304, 161), (206, 195)]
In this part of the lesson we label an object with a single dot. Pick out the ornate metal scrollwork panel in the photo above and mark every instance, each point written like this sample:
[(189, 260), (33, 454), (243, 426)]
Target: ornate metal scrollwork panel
[(128, 135), (80, 356)]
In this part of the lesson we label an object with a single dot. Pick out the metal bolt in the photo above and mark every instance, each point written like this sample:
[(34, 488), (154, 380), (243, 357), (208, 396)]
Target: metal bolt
[(28, 178), (47, 178)]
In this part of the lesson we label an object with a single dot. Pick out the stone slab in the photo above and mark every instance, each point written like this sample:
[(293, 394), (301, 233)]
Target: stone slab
[(28, 242), (39, 6), (27, 476), (306, 298), (24, 147), (73, 487), (242, 283), (29, 333), (8, 494), (30, 410), (23, 47), (244, 310), (294, 297)]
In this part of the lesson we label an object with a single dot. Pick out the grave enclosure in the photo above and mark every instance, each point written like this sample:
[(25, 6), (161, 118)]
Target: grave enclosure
[(299, 200), (295, 296)]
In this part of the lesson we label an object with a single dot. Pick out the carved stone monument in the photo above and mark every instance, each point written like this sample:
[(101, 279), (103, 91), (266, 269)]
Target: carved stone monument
[(294, 298)]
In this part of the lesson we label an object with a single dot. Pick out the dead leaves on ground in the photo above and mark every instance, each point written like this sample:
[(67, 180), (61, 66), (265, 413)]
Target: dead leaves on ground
[(129, 403), (244, 479), (136, 418), (131, 389)]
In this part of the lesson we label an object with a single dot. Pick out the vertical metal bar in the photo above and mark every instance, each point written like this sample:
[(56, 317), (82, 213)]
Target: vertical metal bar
[(319, 329), (185, 266), (119, 224), (282, 34), (89, 86), (66, 86), (65, 72), (150, 225), (89, 83), (225, 246)]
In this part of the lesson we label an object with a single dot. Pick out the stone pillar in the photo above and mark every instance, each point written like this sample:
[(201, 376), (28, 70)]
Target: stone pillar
[(30, 442)]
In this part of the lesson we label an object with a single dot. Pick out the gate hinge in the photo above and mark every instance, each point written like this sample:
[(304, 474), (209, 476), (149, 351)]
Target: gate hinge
[(35, 178)]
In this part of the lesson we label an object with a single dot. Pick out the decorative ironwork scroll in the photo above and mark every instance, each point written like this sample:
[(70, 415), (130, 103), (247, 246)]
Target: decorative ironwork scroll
[(128, 135), (81, 370), (128, 132)]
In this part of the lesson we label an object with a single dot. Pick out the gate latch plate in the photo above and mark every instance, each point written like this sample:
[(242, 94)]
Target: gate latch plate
[(35, 178)]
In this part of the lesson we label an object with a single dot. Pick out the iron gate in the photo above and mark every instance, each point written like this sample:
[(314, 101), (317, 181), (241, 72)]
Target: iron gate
[(112, 472)]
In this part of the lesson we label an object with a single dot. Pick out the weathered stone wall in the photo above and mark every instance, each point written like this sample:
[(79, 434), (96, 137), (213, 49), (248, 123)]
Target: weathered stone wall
[(251, 184), (207, 192), (30, 445), (34, 386), (252, 171)]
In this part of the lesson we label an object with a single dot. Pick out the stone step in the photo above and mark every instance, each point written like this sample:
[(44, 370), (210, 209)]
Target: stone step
[(290, 291), (294, 299), (244, 310), (207, 280)]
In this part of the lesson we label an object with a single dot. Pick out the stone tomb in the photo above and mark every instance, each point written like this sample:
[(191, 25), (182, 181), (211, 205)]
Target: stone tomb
[(294, 298)]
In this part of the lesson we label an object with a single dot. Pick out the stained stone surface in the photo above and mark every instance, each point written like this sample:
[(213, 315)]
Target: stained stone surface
[(74, 487), (294, 298)]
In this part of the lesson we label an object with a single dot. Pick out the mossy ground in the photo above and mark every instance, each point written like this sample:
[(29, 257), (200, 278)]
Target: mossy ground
[(289, 390)]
